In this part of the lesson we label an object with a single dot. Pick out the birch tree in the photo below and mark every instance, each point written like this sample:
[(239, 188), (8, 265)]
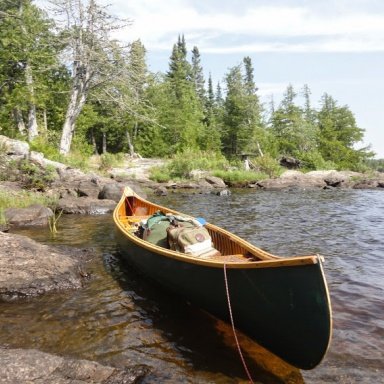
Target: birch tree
[(86, 30)]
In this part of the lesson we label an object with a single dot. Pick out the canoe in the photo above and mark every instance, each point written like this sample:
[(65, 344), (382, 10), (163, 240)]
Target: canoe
[(282, 303)]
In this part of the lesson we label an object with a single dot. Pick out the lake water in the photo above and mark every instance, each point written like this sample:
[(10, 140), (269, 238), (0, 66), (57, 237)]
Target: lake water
[(121, 319)]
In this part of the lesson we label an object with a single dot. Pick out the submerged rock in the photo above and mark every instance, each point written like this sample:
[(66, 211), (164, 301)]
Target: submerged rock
[(33, 366), (28, 268)]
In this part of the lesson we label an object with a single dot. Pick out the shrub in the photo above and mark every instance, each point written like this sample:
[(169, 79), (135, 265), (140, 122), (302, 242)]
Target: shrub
[(35, 177), (159, 174), (183, 163), (314, 161), (239, 176), (110, 160), (267, 165)]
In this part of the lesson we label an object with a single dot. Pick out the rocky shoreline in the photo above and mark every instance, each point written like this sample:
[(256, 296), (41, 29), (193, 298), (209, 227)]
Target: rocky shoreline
[(78, 192), (28, 268)]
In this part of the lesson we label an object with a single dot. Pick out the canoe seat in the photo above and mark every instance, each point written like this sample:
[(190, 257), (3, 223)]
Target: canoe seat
[(239, 258)]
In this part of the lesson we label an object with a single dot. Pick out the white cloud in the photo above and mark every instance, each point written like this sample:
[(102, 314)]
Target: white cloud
[(269, 28)]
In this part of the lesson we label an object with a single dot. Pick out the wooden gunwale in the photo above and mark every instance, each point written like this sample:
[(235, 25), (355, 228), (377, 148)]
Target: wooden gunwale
[(239, 246)]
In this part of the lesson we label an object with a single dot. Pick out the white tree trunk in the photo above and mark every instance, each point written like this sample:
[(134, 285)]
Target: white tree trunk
[(104, 143), (94, 144), (19, 121), (32, 118), (130, 145), (259, 149), (32, 123), (77, 101)]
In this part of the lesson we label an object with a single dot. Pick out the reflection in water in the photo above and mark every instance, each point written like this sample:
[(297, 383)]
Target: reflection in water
[(122, 319)]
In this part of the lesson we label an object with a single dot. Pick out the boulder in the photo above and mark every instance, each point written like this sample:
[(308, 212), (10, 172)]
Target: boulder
[(13, 147), (88, 187), (292, 179), (204, 185), (33, 366), (85, 205), (161, 191), (366, 184), (335, 179), (290, 162), (198, 174), (34, 215), (112, 191), (28, 268), (224, 192), (216, 182)]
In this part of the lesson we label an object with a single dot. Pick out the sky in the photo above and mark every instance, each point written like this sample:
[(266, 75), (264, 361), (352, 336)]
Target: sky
[(333, 46)]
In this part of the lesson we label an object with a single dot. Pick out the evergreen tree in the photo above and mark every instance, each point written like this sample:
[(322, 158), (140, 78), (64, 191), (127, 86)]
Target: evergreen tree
[(27, 62), (197, 74), (339, 134), (243, 130), (210, 139), (138, 84), (184, 121), (219, 95), (293, 133), (249, 76)]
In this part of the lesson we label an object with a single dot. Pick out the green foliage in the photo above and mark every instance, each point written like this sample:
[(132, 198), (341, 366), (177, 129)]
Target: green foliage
[(34, 177), (339, 134), (78, 158), (292, 126), (375, 164), (243, 130), (47, 148), (28, 64), (236, 177), (110, 160), (156, 115), (181, 165), (184, 162), (314, 161), (267, 165), (160, 174)]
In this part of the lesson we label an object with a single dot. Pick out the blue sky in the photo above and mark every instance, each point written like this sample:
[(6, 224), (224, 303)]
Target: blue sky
[(334, 46)]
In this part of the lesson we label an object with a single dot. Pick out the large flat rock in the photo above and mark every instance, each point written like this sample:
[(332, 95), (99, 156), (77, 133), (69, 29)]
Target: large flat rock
[(33, 366), (28, 268)]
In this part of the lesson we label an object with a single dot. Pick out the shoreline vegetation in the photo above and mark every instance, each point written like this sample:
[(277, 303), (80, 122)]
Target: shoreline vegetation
[(73, 89), (29, 178)]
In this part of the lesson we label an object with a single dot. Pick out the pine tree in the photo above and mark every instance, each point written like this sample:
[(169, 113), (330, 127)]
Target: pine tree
[(249, 76), (339, 134), (197, 74), (210, 139), (185, 116), (27, 60), (293, 133), (243, 128)]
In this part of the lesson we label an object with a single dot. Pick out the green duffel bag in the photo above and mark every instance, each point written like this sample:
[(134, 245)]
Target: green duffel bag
[(155, 230)]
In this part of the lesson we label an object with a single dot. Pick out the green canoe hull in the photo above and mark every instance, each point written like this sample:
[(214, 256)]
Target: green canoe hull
[(286, 309)]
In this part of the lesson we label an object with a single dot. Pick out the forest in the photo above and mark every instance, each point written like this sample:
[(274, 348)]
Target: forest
[(67, 85)]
